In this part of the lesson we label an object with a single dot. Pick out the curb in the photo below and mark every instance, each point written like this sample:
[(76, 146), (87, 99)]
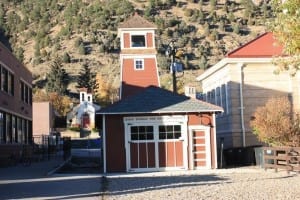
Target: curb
[(57, 168)]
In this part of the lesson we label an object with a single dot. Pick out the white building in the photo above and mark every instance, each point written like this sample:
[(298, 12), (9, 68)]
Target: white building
[(83, 115)]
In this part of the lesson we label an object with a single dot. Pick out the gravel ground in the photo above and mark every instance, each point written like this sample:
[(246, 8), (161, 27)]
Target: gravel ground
[(238, 183)]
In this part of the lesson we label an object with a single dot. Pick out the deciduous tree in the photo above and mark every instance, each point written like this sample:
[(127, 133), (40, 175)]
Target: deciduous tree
[(286, 28), (275, 124), (60, 103)]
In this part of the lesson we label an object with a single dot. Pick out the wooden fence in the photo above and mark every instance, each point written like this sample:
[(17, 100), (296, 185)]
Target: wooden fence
[(286, 158)]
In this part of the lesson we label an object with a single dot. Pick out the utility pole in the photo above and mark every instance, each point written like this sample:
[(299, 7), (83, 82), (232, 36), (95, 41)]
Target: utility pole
[(171, 52)]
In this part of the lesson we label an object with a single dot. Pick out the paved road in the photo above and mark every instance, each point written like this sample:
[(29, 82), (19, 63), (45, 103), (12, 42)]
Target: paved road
[(37, 182)]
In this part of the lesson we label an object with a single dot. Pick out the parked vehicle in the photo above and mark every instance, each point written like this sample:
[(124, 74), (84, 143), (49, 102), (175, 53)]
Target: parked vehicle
[(86, 148)]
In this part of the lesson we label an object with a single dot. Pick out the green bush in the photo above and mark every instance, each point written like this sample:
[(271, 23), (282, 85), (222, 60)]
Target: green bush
[(77, 129)]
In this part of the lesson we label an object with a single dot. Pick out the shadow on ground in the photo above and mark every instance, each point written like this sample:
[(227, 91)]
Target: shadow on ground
[(64, 187), (127, 185)]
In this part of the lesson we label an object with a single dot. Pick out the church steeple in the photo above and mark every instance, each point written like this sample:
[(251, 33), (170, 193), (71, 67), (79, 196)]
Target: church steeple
[(138, 55)]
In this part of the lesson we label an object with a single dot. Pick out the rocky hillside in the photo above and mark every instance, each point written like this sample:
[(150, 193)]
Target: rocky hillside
[(85, 31)]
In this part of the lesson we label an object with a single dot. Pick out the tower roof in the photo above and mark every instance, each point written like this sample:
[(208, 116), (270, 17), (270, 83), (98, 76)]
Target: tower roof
[(136, 21)]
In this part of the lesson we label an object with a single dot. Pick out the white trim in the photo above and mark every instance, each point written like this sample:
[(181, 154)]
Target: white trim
[(206, 130), (136, 56), (104, 143), (226, 61), (142, 63), (7, 68), (136, 31), (17, 114), (156, 121), (159, 112)]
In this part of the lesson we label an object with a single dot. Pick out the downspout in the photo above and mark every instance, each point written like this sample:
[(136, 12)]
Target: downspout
[(241, 66), (215, 141), (104, 143)]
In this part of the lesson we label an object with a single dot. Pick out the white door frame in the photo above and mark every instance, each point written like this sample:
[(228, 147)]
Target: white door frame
[(155, 121), (206, 130)]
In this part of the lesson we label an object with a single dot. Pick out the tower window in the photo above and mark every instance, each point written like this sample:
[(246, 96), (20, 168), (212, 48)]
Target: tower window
[(138, 41), (138, 64)]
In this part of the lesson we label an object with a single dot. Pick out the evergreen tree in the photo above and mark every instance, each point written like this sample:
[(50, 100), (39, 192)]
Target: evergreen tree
[(82, 49), (87, 79), (203, 62), (57, 78), (66, 58)]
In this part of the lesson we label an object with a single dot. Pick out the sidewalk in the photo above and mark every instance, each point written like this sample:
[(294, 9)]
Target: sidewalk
[(38, 181), (35, 170)]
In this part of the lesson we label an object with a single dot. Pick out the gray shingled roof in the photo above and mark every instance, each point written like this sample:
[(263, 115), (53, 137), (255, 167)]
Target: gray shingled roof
[(136, 21), (157, 100)]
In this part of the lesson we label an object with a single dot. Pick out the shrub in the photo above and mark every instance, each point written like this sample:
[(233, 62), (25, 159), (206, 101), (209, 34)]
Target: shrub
[(188, 12), (275, 124)]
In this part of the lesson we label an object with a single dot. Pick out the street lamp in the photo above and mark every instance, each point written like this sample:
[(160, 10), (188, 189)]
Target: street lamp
[(175, 66)]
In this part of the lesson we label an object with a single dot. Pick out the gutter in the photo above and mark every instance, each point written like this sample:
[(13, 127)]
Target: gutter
[(241, 66), (104, 143)]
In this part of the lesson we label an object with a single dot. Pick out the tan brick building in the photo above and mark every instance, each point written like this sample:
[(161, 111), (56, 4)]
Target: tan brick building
[(43, 118)]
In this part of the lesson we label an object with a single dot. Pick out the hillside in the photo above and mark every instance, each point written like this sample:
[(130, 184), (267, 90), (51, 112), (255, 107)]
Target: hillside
[(86, 31)]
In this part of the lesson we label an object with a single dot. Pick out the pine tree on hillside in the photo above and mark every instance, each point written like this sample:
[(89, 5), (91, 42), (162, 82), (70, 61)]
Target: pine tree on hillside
[(87, 79), (57, 78)]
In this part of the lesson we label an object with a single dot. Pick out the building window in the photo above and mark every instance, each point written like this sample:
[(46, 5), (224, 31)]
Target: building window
[(22, 86), (14, 129), (25, 93), (11, 83), (4, 79), (218, 96), (169, 132), (24, 127), (138, 41), (1, 127), (30, 95), (19, 124), (138, 64), (142, 133), (224, 98), (82, 97), (8, 128)]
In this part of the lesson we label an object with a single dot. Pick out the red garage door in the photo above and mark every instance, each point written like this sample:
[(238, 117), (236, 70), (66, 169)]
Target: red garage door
[(170, 146), (155, 147), (142, 147)]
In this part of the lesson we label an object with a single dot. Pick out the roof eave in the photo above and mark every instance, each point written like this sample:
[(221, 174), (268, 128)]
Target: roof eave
[(161, 112), (132, 28), (222, 63)]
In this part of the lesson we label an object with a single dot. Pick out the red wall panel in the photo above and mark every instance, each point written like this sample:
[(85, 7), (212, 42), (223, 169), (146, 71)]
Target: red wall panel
[(115, 149), (126, 40)]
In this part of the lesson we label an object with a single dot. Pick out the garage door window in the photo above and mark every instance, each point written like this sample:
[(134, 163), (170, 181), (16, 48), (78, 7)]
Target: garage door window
[(142, 133), (169, 132)]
